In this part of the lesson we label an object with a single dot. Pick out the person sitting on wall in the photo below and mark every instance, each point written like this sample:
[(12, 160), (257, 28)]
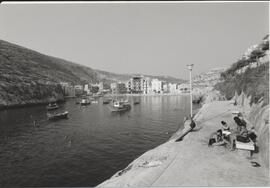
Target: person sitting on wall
[(243, 135), (252, 134), (240, 123), (216, 139)]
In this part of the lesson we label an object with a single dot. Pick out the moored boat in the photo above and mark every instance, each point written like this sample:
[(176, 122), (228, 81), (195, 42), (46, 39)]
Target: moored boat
[(56, 116), (136, 102), (119, 106), (52, 106), (107, 101), (85, 102)]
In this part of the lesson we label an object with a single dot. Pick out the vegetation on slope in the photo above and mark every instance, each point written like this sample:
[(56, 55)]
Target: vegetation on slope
[(29, 77), (254, 81)]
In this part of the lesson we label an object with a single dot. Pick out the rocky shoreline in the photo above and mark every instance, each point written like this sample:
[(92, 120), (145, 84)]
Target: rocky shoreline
[(28, 104), (191, 162)]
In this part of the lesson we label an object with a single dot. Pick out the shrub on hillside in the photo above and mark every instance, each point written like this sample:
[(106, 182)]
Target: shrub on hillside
[(254, 82)]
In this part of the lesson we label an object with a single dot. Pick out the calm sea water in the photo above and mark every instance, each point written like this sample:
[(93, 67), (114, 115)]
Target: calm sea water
[(88, 147)]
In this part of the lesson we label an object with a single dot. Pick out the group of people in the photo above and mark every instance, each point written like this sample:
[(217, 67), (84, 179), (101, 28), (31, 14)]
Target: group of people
[(227, 136)]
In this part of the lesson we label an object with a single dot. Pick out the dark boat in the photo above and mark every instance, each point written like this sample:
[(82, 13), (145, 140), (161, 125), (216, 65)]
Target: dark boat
[(136, 102), (63, 115), (119, 106), (52, 106), (107, 101)]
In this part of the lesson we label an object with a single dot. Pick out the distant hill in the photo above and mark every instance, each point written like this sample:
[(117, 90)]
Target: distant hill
[(126, 77), (27, 76), (208, 79)]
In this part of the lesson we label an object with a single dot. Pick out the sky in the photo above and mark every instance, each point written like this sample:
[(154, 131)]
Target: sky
[(148, 38)]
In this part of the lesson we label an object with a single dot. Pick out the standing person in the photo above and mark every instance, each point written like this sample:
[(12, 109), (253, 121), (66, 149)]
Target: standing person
[(192, 123)]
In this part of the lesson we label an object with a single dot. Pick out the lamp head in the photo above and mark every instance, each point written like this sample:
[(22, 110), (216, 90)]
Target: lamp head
[(190, 67)]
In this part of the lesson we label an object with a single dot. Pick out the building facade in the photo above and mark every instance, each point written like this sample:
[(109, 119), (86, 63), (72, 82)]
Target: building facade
[(138, 85), (184, 88), (118, 88), (157, 86)]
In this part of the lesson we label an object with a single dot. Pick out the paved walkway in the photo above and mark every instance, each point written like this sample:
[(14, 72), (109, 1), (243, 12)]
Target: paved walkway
[(191, 162)]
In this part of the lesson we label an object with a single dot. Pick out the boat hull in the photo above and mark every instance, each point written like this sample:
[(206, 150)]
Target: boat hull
[(63, 115)]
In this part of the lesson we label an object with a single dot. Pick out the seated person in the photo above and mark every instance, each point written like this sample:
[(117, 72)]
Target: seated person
[(240, 123), (252, 134), (192, 124), (243, 135), (216, 139), (225, 126)]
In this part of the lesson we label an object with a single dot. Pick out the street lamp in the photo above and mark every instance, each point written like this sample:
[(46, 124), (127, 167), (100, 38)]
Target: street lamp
[(190, 87)]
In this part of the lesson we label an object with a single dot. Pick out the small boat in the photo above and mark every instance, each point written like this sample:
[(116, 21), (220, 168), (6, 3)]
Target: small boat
[(119, 106), (52, 106), (136, 102), (94, 102), (107, 101), (85, 102), (56, 116)]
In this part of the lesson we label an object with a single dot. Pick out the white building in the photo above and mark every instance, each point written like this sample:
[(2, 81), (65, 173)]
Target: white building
[(173, 88), (156, 86), (100, 87), (184, 88), (139, 85)]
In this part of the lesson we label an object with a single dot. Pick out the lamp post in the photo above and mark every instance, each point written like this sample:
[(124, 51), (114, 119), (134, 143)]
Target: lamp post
[(190, 87)]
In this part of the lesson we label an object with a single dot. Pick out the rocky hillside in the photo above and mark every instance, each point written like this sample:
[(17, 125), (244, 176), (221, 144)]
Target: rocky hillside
[(29, 77), (249, 74), (207, 79)]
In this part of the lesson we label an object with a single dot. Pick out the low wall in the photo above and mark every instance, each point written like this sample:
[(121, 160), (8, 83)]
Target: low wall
[(257, 115)]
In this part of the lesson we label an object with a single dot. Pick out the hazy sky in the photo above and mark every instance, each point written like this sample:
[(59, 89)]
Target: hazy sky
[(150, 38)]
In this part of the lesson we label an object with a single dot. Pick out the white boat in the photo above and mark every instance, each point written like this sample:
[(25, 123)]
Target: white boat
[(56, 116), (118, 106), (85, 102), (52, 106), (94, 102)]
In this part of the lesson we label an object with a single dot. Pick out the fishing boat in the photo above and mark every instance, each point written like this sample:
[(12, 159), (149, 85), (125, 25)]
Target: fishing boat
[(119, 106), (52, 106), (107, 101), (85, 102), (56, 116), (136, 102)]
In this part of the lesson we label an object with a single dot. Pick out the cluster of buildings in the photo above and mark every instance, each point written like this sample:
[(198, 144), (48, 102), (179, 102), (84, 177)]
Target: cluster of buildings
[(77, 90), (145, 85), (258, 62)]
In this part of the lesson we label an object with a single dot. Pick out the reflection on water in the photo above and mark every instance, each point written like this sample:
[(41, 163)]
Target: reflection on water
[(88, 147)]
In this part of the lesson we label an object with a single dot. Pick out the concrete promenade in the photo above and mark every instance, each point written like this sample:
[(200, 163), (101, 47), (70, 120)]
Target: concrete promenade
[(191, 162)]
